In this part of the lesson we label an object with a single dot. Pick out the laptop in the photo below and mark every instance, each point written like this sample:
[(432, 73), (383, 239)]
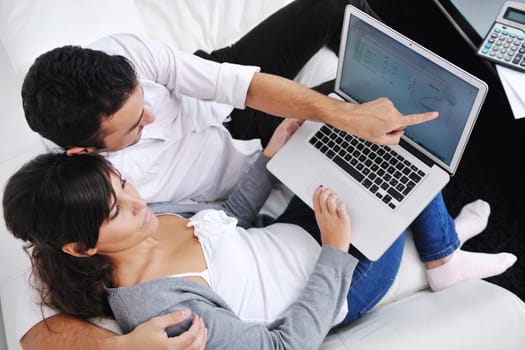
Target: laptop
[(385, 187)]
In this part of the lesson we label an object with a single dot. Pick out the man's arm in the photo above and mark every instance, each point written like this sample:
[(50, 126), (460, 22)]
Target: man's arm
[(64, 332), (377, 121)]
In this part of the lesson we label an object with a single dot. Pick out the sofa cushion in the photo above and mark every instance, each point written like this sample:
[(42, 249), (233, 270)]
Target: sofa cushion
[(29, 28), (471, 315), (205, 25)]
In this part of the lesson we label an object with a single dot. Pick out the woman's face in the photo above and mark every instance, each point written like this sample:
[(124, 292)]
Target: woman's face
[(130, 221)]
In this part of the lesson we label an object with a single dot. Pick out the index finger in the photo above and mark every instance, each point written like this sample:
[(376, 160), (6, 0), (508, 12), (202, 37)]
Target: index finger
[(315, 199), (196, 332), (413, 119), (173, 318)]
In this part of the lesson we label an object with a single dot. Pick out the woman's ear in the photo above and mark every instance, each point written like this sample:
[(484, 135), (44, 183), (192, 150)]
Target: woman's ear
[(72, 249)]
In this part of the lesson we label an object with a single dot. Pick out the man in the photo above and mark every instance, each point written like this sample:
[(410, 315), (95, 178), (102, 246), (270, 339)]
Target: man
[(158, 116)]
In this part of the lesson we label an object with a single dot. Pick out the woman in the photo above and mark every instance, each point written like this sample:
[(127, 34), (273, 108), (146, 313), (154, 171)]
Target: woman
[(92, 237)]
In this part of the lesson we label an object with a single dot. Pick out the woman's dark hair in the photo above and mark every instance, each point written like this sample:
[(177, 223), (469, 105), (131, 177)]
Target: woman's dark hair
[(56, 199), (69, 90)]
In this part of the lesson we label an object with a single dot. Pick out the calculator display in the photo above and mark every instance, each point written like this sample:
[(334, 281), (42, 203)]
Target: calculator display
[(515, 15)]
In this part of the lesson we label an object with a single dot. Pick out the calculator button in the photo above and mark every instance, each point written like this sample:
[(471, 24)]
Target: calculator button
[(504, 44)]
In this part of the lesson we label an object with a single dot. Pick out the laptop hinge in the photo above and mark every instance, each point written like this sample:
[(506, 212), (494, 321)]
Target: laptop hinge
[(414, 151)]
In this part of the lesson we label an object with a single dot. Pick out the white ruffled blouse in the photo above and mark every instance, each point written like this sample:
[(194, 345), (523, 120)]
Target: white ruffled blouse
[(259, 272)]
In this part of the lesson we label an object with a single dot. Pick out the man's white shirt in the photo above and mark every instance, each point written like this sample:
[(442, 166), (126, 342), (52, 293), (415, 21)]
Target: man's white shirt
[(186, 153)]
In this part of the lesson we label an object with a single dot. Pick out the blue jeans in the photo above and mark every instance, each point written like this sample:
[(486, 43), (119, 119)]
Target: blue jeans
[(434, 235)]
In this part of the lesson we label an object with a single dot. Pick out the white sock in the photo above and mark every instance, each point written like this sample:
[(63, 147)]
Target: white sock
[(468, 265), (472, 219)]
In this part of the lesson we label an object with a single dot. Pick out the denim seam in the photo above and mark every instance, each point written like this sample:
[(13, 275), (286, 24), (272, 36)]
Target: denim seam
[(442, 253)]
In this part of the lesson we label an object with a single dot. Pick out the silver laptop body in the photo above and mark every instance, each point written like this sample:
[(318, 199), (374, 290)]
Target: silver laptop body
[(376, 61)]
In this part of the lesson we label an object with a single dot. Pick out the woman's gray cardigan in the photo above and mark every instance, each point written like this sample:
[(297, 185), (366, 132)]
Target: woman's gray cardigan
[(303, 326)]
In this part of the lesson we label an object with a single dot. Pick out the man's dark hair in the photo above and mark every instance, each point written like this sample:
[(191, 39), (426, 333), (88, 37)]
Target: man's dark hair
[(69, 90)]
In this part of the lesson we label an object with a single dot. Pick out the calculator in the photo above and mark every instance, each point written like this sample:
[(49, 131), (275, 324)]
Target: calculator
[(505, 42)]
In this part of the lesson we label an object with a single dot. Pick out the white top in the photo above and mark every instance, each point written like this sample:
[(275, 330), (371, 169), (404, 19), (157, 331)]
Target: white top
[(205, 275), (259, 272), (186, 153)]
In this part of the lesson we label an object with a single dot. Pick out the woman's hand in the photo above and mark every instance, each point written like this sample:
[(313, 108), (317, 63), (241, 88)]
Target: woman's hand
[(332, 219), (281, 134)]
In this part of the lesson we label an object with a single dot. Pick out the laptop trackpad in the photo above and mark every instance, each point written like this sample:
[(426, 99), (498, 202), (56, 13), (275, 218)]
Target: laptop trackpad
[(370, 235), (337, 184)]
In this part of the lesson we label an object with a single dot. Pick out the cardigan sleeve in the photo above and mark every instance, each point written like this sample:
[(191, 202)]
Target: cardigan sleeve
[(250, 194)]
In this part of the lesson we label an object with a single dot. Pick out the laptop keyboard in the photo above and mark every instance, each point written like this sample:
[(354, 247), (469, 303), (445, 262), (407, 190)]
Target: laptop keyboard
[(385, 173)]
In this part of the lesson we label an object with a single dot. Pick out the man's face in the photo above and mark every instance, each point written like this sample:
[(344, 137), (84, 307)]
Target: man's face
[(124, 128)]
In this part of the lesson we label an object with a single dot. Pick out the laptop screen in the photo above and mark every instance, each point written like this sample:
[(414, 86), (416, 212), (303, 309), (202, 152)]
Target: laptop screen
[(376, 65)]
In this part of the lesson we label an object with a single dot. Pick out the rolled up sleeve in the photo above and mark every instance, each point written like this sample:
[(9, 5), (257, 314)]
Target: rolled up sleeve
[(233, 83)]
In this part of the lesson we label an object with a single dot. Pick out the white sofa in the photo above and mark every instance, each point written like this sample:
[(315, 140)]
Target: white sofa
[(472, 315)]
